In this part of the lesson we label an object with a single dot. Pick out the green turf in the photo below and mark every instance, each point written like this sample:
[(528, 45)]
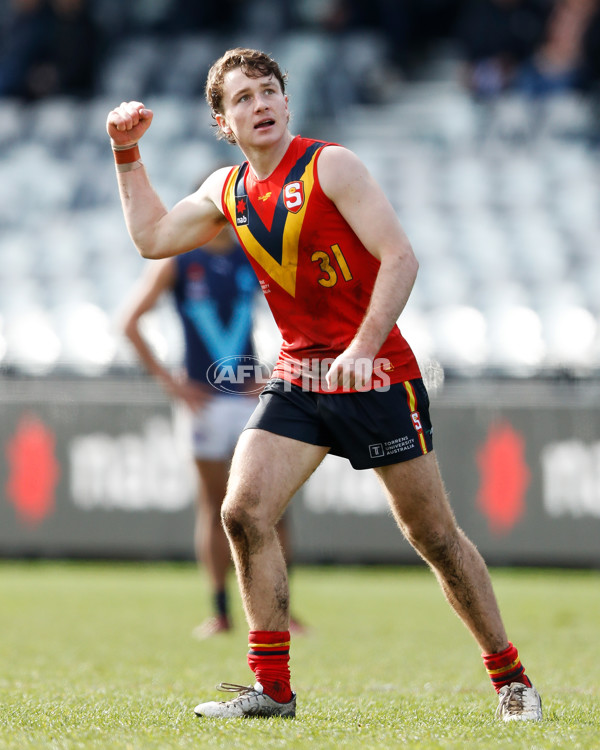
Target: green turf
[(100, 656)]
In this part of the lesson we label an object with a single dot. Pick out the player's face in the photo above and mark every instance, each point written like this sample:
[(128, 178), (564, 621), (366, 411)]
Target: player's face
[(255, 109)]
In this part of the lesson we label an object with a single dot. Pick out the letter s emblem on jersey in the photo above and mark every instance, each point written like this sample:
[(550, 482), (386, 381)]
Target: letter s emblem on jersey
[(293, 196)]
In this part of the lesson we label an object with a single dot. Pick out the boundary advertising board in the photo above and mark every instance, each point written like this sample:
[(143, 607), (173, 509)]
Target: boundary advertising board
[(99, 468)]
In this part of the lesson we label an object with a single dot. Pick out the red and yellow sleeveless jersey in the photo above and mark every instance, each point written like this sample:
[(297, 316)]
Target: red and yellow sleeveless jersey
[(316, 275)]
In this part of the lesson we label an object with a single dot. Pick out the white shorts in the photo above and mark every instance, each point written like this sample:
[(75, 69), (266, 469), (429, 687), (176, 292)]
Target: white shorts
[(215, 429)]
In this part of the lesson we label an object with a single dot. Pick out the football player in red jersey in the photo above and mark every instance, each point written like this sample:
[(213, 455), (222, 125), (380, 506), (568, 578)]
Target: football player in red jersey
[(336, 269)]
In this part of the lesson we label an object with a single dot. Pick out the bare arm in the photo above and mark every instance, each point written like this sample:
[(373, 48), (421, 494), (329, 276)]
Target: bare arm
[(155, 231), (362, 203), (158, 278)]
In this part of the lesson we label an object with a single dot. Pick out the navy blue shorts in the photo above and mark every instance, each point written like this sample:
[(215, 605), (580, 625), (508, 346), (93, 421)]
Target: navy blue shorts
[(369, 428)]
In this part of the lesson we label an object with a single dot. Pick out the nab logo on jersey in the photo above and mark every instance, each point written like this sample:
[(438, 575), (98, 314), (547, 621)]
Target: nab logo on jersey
[(293, 196), (241, 211)]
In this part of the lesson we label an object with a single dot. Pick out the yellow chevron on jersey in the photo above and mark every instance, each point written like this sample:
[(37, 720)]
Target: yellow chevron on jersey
[(274, 248)]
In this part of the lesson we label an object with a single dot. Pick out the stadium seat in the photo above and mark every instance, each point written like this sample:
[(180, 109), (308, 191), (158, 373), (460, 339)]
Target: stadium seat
[(499, 200)]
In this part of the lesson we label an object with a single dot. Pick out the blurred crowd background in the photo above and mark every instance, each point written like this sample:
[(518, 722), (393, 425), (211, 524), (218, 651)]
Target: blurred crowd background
[(478, 117)]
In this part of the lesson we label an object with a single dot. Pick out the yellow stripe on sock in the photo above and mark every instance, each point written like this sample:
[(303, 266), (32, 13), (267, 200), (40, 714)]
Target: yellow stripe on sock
[(509, 668)]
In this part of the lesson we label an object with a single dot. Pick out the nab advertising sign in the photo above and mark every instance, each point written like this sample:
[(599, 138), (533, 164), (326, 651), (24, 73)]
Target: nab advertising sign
[(101, 469), (92, 469)]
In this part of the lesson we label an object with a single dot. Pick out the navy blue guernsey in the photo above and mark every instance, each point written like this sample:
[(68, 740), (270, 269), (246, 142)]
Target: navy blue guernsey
[(214, 296)]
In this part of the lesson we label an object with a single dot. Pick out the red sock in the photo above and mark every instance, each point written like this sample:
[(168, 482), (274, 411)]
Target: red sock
[(268, 657), (505, 667)]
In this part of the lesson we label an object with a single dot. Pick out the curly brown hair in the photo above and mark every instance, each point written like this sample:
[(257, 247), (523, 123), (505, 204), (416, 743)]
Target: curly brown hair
[(254, 64)]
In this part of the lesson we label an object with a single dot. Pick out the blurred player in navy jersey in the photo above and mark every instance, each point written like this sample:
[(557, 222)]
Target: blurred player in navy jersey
[(214, 291)]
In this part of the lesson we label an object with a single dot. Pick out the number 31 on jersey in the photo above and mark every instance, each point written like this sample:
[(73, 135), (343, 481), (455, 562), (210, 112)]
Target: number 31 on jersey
[(326, 264)]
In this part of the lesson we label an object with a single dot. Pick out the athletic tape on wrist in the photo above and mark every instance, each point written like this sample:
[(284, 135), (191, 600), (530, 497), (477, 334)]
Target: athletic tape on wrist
[(129, 166)]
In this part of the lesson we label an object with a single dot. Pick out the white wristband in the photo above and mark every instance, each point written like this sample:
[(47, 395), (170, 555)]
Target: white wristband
[(129, 167)]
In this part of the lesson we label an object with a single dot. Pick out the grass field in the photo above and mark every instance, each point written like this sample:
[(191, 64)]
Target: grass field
[(100, 656)]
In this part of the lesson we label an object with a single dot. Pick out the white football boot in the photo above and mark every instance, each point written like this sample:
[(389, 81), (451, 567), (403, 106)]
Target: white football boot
[(519, 703), (251, 701)]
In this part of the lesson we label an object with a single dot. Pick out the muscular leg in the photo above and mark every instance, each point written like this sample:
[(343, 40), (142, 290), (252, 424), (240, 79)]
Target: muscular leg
[(283, 533), (212, 547), (266, 471), (422, 511)]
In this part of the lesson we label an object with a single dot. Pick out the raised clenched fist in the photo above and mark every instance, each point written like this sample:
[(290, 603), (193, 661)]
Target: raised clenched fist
[(128, 122)]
